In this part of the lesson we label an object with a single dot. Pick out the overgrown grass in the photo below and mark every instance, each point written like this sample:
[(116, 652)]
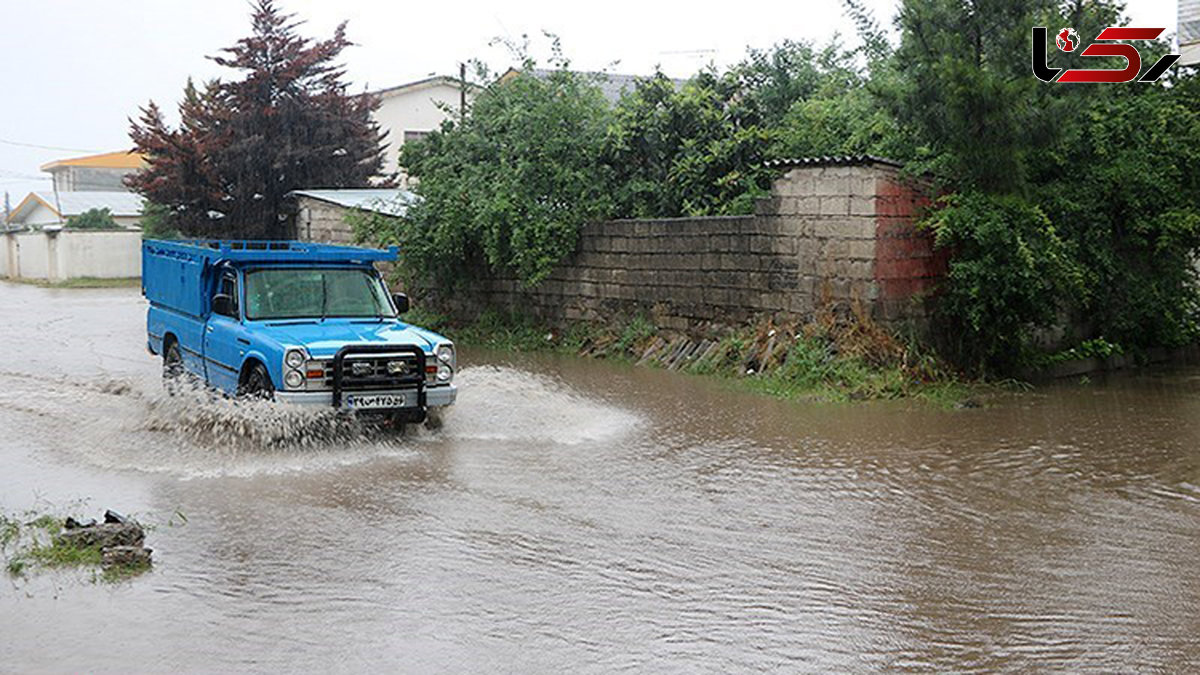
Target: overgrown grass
[(836, 357), (32, 540), (83, 282)]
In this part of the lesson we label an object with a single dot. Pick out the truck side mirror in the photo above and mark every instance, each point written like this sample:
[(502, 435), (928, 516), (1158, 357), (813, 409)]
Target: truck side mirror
[(401, 301), (222, 304)]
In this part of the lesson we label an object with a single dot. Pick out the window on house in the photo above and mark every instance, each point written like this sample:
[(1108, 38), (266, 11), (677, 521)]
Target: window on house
[(414, 135)]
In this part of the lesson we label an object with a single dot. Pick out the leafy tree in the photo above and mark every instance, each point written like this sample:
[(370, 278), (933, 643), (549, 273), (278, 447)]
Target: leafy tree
[(694, 151), (1124, 190), (93, 219), (1113, 168), (963, 86), (156, 222), (507, 186), (242, 145)]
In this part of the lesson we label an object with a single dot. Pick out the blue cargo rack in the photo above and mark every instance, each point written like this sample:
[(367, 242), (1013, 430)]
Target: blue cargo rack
[(173, 271), (214, 250)]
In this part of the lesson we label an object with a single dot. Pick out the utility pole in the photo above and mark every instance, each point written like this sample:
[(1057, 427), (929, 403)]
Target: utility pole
[(462, 90), (7, 209)]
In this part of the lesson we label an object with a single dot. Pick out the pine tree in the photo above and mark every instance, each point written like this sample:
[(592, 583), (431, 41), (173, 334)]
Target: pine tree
[(242, 145)]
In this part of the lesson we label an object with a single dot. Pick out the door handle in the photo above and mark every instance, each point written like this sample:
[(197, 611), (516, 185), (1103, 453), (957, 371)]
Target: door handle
[(208, 328)]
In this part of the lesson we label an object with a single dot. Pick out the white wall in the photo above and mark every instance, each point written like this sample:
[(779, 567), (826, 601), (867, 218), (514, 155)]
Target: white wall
[(33, 255), (414, 110), (69, 254), (101, 254)]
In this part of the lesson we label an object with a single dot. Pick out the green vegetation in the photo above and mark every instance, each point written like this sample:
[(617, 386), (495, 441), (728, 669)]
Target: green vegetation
[(834, 358), (509, 185), (156, 222), (1063, 206), (93, 219), (31, 540)]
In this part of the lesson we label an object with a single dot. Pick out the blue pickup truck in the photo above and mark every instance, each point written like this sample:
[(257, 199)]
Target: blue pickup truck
[(295, 322)]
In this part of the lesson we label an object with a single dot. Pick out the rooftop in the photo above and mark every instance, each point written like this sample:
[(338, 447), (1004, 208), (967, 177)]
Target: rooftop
[(108, 160), (833, 160), (388, 201), (75, 203), (431, 81)]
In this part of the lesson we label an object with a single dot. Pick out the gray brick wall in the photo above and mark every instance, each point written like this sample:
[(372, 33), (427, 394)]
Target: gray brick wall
[(320, 221), (812, 242), (815, 240)]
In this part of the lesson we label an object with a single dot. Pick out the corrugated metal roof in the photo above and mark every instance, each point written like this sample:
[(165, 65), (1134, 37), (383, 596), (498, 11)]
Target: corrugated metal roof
[(388, 201), (74, 203), (834, 160)]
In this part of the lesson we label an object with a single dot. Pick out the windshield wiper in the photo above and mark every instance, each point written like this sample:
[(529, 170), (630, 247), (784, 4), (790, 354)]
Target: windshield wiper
[(324, 296)]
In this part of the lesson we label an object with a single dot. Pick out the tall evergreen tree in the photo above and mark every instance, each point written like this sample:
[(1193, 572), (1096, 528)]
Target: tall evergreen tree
[(242, 145)]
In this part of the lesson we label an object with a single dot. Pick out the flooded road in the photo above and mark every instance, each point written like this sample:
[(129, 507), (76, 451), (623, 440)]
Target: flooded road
[(574, 515)]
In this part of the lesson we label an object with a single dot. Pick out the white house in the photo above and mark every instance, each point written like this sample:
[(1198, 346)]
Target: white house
[(1189, 32), (410, 111), (40, 209)]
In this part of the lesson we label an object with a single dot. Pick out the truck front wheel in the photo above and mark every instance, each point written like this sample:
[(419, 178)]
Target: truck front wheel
[(257, 383)]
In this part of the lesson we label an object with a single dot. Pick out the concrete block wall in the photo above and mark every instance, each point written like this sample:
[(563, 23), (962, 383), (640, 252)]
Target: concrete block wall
[(837, 234), (321, 221)]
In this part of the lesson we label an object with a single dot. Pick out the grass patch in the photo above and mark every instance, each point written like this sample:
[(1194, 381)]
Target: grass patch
[(83, 282), (33, 541), (837, 357)]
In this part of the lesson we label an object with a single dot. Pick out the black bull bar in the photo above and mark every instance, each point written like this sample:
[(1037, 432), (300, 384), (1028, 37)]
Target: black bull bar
[(417, 378)]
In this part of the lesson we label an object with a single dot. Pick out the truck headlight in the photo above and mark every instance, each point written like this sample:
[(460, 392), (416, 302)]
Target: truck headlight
[(446, 362), (293, 379), (294, 359)]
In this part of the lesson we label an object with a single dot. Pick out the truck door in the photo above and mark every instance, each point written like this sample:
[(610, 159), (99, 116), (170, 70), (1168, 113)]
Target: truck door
[(225, 339)]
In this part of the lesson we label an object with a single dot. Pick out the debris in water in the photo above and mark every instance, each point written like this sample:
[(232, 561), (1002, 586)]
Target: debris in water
[(131, 557), (119, 540), (111, 516), (104, 535)]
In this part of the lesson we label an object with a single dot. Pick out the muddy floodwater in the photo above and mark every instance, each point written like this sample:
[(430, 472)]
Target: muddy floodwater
[(580, 516)]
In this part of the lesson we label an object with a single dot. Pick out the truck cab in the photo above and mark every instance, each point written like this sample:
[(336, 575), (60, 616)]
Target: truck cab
[(294, 322)]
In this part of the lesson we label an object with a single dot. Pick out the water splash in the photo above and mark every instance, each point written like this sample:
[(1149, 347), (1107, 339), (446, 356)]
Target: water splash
[(508, 404)]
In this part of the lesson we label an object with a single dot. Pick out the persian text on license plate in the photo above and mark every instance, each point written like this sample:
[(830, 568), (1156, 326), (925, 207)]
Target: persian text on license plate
[(372, 401)]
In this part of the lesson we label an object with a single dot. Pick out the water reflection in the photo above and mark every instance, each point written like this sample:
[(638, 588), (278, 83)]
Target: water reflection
[(575, 515)]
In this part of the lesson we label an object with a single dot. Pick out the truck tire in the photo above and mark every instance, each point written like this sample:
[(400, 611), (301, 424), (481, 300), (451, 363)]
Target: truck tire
[(173, 370), (257, 383)]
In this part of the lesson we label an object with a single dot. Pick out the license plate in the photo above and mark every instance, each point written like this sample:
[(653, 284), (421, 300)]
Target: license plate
[(376, 401)]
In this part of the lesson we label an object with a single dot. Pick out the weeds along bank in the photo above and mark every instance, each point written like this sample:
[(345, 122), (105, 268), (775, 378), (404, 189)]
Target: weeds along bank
[(837, 356)]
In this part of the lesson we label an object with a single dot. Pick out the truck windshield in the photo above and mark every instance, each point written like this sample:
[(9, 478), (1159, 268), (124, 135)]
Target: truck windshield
[(315, 293)]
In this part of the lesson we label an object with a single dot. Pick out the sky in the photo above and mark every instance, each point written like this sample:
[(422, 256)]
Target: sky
[(73, 73)]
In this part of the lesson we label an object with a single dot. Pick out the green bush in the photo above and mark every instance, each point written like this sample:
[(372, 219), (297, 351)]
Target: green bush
[(507, 187), (93, 219), (1010, 273)]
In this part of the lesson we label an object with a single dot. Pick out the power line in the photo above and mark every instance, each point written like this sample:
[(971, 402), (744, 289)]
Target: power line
[(44, 147), (17, 174)]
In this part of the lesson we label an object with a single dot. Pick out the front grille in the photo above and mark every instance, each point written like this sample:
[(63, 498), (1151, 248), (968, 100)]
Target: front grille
[(375, 371)]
